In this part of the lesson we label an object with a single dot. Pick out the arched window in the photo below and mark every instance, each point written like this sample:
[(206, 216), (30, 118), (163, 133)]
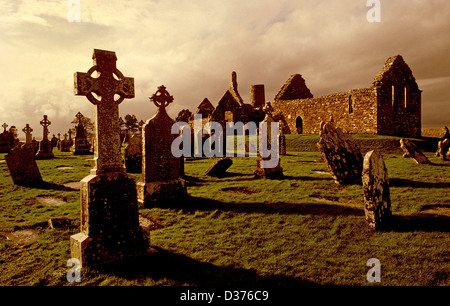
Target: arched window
[(350, 104), (299, 125)]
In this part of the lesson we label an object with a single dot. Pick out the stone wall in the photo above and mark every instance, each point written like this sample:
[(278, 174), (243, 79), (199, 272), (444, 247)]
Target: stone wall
[(354, 111)]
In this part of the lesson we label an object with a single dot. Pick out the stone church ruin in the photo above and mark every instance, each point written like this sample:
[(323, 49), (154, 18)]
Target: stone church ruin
[(390, 106)]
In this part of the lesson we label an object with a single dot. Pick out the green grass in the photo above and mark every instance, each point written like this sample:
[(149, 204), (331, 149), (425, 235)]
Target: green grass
[(301, 230)]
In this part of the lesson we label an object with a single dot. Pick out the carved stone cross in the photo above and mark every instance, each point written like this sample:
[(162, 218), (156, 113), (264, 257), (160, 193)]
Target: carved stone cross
[(27, 130), (4, 126), (108, 83), (45, 123)]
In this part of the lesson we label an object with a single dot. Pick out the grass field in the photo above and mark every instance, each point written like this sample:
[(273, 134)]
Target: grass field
[(301, 230)]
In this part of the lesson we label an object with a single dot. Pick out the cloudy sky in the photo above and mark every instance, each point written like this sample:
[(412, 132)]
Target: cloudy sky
[(193, 46)]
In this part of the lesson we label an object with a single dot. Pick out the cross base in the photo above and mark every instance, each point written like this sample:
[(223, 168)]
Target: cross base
[(152, 193), (45, 150), (110, 229)]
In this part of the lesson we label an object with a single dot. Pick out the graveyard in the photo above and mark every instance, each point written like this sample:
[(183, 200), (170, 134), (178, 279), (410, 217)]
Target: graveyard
[(302, 229)]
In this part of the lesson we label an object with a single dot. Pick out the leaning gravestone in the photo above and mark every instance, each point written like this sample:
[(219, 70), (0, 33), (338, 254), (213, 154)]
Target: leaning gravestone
[(342, 155), (161, 170), (219, 167), (377, 202), (45, 146), (110, 227), (412, 151), (263, 170), (22, 166), (133, 154)]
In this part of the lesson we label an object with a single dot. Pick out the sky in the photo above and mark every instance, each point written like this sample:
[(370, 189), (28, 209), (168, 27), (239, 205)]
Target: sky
[(192, 47)]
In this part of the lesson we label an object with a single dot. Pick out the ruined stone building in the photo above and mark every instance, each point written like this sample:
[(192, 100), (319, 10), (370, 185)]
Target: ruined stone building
[(390, 106)]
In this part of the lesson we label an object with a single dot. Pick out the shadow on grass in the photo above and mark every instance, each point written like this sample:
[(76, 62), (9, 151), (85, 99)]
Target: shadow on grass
[(53, 186), (183, 270), (397, 182), (419, 222), (203, 204)]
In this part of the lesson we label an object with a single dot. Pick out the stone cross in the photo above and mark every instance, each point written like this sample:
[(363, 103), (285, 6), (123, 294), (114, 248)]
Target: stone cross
[(28, 137), (110, 228), (4, 126), (110, 81), (45, 123)]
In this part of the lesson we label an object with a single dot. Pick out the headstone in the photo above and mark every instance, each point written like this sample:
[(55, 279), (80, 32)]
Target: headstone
[(412, 151), (35, 144), (443, 149), (22, 166), (70, 136), (13, 137), (110, 227), (282, 140), (444, 145), (65, 144), (28, 136), (377, 202), (133, 154), (261, 170), (54, 141), (219, 167), (45, 146), (81, 144), (161, 171), (343, 157), (5, 144)]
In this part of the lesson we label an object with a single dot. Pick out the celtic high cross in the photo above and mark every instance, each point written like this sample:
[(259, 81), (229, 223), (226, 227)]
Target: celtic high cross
[(101, 91), (45, 123)]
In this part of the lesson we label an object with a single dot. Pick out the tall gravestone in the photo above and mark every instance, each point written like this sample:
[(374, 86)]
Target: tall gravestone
[(341, 153), (161, 171), (261, 170), (81, 144), (377, 202), (45, 146), (110, 227)]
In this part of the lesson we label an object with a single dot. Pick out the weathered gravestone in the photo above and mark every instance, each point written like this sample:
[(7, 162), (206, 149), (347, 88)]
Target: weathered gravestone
[(81, 144), (264, 167), (219, 167), (5, 144), (65, 144), (133, 154), (161, 170), (444, 145), (412, 151), (443, 149), (344, 160), (110, 227), (377, 202), (54, 141), (45, 146), (22, 166)]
